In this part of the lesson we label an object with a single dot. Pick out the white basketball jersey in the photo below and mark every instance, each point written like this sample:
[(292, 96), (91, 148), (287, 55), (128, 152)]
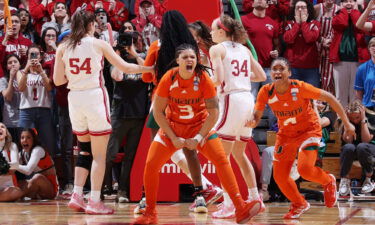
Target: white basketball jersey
[(237, 70), (35, 94), (84, 66)]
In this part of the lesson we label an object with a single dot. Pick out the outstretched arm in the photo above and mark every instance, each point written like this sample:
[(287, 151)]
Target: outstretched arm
[(59, 77)]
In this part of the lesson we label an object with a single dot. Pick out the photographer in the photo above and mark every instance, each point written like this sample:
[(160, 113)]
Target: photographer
[(130, 108)]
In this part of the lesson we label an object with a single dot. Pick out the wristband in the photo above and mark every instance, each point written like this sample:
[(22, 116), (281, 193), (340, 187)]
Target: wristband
[(364, 121), (198, 137)]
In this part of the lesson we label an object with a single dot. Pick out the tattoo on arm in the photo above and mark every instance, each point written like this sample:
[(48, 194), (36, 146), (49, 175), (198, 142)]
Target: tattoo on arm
[(212, 103)]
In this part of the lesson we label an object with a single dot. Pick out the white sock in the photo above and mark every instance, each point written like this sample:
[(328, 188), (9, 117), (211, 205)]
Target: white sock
[(205, 182), (78, 190), (253, 194), (227, 200), (95, 196)]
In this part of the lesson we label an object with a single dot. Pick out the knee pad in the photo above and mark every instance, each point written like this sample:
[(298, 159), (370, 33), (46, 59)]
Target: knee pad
[(84, 161), (178, 156)]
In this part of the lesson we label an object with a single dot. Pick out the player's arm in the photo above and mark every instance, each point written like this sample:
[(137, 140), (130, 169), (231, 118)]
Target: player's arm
[(258, 74), (59, 77), (212, 106), (118, 62), (254, 120), (336, 106), (216, 52)]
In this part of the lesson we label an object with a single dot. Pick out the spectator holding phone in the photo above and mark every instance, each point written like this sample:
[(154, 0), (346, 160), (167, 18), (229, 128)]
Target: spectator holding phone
[(35, 106), (101, 17)]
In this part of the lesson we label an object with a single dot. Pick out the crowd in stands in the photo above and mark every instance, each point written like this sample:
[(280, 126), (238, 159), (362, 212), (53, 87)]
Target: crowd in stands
[(328, 44)]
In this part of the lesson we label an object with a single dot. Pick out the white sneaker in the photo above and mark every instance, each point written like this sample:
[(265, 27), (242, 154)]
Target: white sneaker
[(141, 207), (368, 186), (344, 187), (200, 205)]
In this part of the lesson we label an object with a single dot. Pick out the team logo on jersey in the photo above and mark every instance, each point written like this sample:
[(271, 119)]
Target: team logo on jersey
[(183, 91), (273, 100), (196, 83), (174, 85), (269, 26), (285, 104), (294, 92)]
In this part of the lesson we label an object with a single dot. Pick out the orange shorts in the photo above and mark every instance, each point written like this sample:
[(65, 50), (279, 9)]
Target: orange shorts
[(286, 148), (53, 179)]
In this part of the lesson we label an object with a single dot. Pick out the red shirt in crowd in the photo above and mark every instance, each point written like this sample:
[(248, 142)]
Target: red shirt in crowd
[(301, 50), (262, 32), (276, 9), (41, 13)]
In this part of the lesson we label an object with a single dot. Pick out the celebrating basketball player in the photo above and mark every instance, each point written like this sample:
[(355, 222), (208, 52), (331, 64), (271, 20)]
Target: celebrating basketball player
[(299, 133)]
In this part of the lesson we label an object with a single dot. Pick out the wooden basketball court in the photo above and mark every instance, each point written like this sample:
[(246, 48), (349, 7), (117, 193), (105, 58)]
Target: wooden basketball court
[(56, 212)]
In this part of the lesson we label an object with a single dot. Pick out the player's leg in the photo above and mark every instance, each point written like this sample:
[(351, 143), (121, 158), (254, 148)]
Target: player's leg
[(214, 152), (157, 155), (11, 194), (307, 169)]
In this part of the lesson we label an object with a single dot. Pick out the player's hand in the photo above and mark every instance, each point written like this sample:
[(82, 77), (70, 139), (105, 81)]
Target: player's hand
[(191, 143), (251, 123), (350, 131), (178, 142)]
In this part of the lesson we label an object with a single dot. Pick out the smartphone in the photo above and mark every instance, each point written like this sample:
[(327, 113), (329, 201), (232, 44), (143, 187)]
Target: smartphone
[(33, 55)]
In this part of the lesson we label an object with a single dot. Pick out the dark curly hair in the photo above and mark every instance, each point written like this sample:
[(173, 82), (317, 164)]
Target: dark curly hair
[(203, 31), (174, 31)]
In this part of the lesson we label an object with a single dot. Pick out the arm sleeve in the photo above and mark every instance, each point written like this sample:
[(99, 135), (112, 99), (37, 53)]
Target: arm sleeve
[(360, 77), (262, 99), (155, 20), (310, 31), (291, 32), (13, 153), (340, 20), (37, 154), (150, 61), (310, 92), (37, 9)]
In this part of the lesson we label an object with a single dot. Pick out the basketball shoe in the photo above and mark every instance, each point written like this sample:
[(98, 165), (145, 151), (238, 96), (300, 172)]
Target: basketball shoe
[(330, 192), (141, 206), (200, 205), (98, 208), (296, 210), (210, 195), (147, 218), (249, 210), (224, 212), (77, 203)]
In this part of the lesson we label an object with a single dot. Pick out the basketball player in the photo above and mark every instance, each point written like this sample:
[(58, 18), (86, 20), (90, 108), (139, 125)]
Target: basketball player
[(299, 133), (80, 58), (234, 68), (190, 96)]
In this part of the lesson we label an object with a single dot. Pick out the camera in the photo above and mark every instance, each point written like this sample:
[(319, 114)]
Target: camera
[(124, 40), (33, 55)]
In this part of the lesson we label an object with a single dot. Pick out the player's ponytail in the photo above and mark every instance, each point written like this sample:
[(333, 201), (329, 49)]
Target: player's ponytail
[(232, 28), (80, 26)]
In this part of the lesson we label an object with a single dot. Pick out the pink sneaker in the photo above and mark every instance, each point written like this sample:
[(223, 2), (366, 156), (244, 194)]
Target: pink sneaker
[(77, 203), (210, 195), (98, 208), (224, 212)]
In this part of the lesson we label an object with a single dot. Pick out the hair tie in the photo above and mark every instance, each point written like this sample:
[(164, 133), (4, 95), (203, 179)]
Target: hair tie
[(221, 25)]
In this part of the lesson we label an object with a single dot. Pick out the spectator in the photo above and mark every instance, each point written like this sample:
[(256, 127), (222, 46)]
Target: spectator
[(12, 42), (301, 33), (347, 50), (364, 85), (35, 106), (48, 44), (263, 34), (276, 10), (130, 107), (101, 17), (325, 12), (41, 11), (8, 182), (367, 20), (361, 148), (38, 166), (27, 28), (59, 18), (148, 21), (11, 95)]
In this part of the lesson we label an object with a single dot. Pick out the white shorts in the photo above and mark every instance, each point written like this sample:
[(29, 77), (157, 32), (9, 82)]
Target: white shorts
[(89, 112), (235, 110)]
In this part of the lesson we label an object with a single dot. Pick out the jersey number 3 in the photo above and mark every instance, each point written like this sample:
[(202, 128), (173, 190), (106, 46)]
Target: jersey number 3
[(237, 70), (186, 109), (77, 67)]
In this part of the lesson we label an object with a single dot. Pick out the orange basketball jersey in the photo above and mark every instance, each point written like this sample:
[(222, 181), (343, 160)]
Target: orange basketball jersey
[(186, 108), (293, 109)]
